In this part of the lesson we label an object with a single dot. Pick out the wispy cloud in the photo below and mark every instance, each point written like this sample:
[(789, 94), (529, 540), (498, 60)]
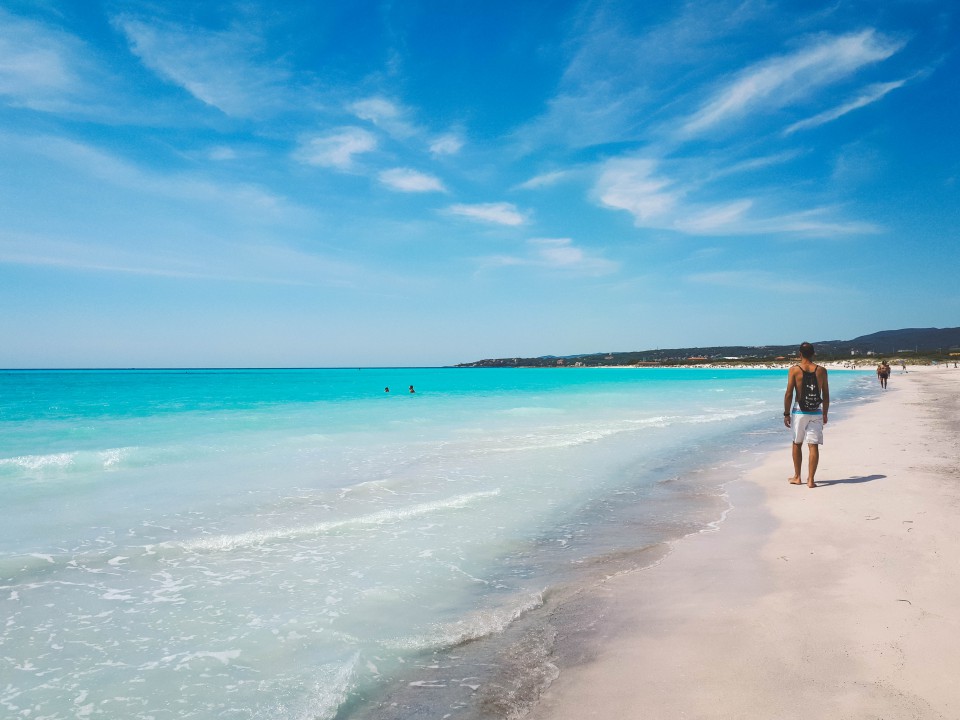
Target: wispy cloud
[(497, 213), (556, 254), (870, 95), (397, 121), (751, 164), (715, 218), (449, 144), (407, 180), (617, 80), (336, 149), (738, 218), (261, 263), (89, 162), (385, 114), (223, 69), (599, 95), (658, 200), (684, 194), (820, 221), (782, 81), (92, 257), (42, 68), (634, 185), (544, 180)]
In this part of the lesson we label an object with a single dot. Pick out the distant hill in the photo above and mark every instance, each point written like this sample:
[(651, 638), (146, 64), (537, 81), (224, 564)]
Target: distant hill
[(885, 342), (916, 339)]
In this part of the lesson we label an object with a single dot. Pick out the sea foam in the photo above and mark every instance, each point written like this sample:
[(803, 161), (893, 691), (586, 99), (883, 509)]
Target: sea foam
[(261, 537)]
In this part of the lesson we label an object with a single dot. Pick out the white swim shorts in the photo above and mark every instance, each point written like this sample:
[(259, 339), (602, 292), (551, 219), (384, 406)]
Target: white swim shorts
[(807, 429)]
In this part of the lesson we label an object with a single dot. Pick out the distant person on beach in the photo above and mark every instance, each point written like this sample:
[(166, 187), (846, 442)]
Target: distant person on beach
[(808, 382), (883, 372)]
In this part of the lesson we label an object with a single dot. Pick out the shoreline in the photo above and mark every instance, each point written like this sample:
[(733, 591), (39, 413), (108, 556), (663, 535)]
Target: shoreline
[(836, 602), (861, 365)]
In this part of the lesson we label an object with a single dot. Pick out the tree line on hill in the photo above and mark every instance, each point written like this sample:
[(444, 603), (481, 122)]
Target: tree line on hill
[(929, 343)]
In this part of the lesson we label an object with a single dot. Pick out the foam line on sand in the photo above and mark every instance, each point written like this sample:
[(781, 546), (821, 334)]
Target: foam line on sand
[(841, 601)]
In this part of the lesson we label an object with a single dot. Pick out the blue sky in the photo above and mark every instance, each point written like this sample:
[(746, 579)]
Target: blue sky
[(423, 183)]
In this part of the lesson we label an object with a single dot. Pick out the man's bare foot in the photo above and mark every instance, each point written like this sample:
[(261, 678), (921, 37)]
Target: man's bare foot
[(811, 483), (794, 480)]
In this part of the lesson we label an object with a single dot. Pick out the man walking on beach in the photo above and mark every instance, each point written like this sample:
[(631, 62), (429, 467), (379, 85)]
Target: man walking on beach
[(808, 381), (883, 372)]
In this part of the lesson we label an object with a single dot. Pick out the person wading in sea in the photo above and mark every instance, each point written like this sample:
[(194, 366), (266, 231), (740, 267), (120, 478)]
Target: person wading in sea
[(808, 382)]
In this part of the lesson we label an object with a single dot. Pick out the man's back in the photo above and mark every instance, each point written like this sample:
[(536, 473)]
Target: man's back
[(807, 384), (805, 365)]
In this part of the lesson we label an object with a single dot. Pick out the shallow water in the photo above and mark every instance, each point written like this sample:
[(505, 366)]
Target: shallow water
[(303, 544)]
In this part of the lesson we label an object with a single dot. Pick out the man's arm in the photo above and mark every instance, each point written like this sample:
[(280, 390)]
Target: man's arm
[(788, 396), (825, 390)]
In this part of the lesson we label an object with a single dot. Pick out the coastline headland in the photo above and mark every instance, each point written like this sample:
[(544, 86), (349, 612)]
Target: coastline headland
[(912, 346)]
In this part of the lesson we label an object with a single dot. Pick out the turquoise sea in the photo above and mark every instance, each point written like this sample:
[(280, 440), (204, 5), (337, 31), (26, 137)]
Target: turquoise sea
[(294, 544)]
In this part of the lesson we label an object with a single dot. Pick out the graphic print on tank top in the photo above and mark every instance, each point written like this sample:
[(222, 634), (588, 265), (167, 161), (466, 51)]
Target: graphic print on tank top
[(810, 398)]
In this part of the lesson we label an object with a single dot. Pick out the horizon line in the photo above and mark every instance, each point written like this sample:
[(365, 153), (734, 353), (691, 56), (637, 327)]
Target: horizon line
[(225, 367)]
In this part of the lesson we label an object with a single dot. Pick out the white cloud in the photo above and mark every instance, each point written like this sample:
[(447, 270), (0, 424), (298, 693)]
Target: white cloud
[(556, 254), (715, 219), (498, 213), (544, 180), (631, 185), (375, 109), (42, 68), (395, 120), (785, 80), (818, 221), (561, 253), (736, 218), (448, 144), (221, 69), (337, 148), (385, 114), (407, 180), (751, 164), (658, 201), (870, 95)]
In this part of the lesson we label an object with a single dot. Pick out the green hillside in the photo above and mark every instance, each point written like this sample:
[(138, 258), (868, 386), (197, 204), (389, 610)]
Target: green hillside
[(929, 343)]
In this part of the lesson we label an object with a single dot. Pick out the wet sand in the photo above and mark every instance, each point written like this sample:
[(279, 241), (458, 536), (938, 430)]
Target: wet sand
[(841, 601)]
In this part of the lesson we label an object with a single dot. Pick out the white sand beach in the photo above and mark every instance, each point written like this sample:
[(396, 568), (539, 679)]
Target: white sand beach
[(841, 601)]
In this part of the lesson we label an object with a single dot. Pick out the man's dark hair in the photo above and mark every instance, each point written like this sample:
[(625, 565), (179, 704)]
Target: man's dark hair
[(806, 350)]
